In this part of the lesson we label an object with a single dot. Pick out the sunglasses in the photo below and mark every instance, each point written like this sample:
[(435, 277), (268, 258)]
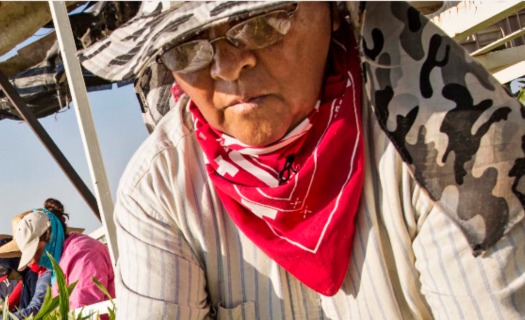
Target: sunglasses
[(254, 33)]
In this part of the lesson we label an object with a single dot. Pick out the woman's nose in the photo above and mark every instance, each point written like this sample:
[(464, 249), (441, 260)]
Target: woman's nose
[(229, 61)]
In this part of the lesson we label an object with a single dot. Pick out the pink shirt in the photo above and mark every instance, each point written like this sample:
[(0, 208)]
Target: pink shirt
[(83, 258)]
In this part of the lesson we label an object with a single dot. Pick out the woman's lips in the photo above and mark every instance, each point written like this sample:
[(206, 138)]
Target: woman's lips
[(248, 104)]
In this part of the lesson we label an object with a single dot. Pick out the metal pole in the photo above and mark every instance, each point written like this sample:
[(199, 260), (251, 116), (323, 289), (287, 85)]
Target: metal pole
[(85, 121), (50, 145)]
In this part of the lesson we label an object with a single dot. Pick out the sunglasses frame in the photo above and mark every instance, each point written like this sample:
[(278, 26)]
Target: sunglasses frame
[(290, 12)]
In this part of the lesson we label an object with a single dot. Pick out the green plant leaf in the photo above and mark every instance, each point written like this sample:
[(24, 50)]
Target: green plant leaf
[(57, 308), (47, 305), (102, 288), (51, 303), (80, 315), (5, 311), (47, 311), (111, 311), (521, 96), (63, 295)]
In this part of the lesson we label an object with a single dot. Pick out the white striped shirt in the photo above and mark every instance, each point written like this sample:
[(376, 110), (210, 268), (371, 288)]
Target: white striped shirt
[(182, 257)]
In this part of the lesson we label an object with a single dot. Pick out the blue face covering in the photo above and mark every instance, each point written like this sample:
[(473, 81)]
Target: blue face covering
[(55, 244)]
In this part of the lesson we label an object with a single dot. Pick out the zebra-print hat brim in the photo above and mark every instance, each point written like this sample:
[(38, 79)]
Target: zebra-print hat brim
[(131, 48)]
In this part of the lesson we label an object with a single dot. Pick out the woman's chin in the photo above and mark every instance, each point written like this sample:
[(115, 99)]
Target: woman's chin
[(258, 137)]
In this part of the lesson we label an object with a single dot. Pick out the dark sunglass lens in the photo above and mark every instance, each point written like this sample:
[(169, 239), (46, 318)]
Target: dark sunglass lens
[(188, 57), (260, 32)]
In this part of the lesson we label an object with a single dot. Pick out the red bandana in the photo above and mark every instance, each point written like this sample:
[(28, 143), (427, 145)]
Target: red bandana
[(296, 199), (37, 269)]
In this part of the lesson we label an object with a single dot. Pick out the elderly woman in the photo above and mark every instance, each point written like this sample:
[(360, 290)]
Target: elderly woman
[(275, 190)]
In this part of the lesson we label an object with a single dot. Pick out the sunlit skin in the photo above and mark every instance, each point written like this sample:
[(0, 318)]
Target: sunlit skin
[(39, 252), (257, 96)]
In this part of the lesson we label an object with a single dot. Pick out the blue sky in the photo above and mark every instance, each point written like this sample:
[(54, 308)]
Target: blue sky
[(29, 175)]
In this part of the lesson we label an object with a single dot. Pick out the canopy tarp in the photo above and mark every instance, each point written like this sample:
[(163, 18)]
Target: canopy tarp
[(36, 70)]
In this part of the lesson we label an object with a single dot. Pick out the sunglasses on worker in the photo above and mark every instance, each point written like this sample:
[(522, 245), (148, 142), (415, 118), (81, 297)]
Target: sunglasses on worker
[(254, 33)]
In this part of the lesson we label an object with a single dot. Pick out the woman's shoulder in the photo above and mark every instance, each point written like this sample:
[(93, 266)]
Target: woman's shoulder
[(80, 244), (164, 146)]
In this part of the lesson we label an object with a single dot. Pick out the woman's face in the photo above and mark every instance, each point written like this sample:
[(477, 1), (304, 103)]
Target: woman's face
[(39, 252), (257, 96)]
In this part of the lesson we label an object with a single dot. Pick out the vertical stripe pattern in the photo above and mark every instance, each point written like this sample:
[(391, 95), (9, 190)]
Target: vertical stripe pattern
[(183, 258)]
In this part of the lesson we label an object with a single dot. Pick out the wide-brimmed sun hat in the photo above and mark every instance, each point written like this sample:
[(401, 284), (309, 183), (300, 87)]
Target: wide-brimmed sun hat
[(132, 47), (10, 249)]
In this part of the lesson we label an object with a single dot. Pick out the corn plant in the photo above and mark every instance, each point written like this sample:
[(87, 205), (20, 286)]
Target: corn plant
[(57, 308), (5, 311), (111, 312)]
